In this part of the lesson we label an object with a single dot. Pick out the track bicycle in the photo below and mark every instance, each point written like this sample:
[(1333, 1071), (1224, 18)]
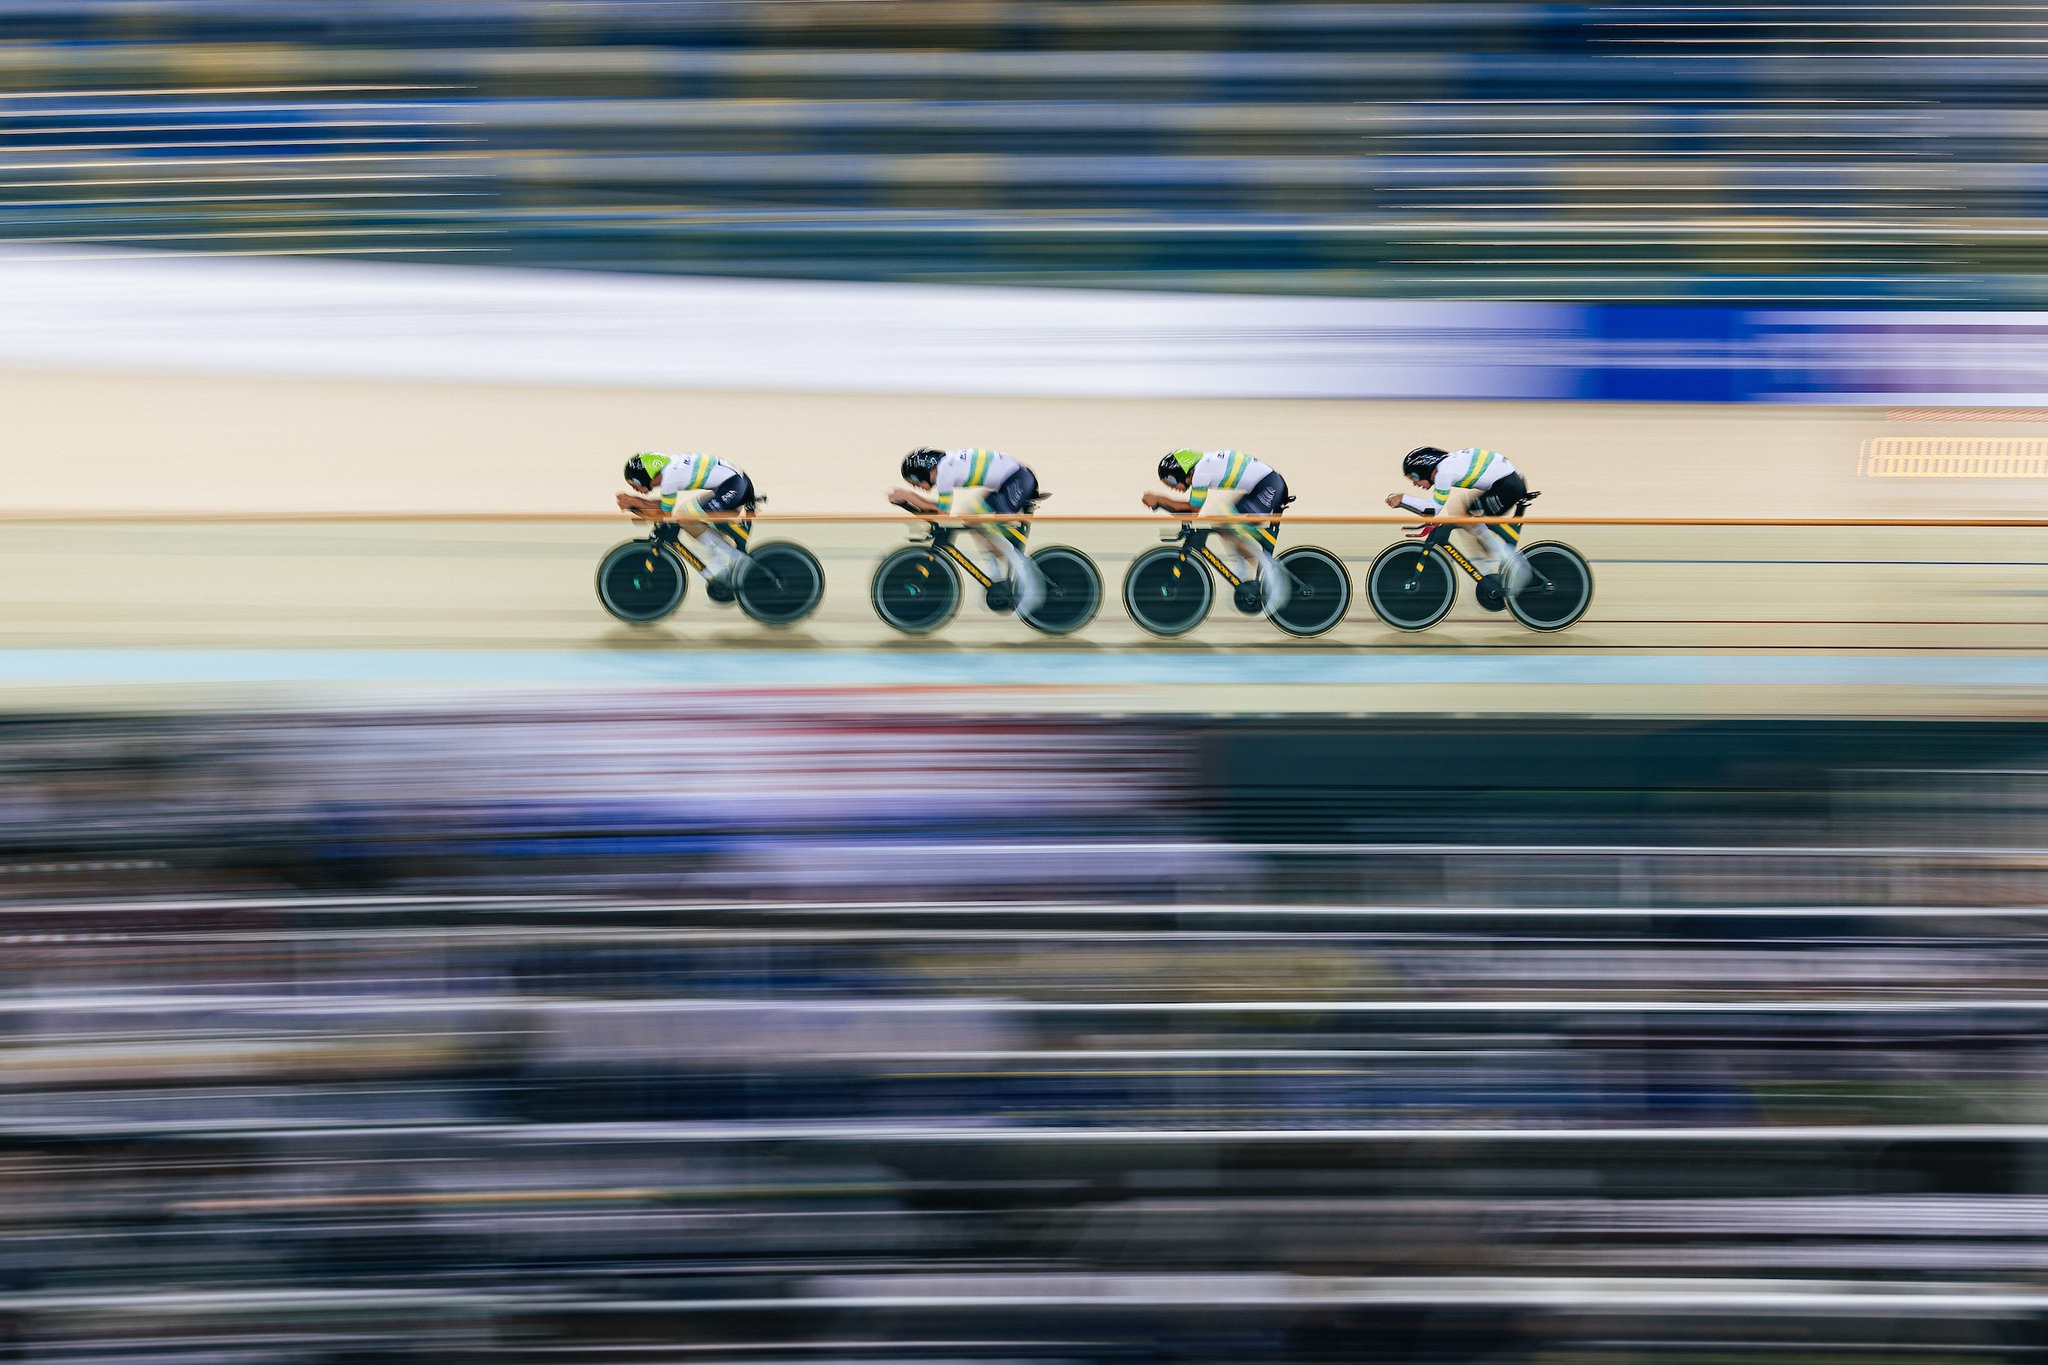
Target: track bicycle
[(918, 588), (642, 581), (1168, 589), (1411, 586)]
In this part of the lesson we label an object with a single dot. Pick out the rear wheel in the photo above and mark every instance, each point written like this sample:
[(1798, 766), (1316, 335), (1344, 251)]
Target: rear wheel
[(1073, 591), (640, 582), (781, 584), (1318, 591), (1563, 589), (1410, 586), (1167, 591), (916, 591)]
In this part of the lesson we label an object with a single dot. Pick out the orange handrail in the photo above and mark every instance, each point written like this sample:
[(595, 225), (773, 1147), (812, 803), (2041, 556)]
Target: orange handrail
[(173, 518)]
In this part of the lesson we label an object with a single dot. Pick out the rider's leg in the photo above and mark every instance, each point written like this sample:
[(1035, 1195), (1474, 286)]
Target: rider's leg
[(997, 561), (1492, 552), (724, 542), (1252, 542), (1501, 544), (716, 552), (1008, 538)]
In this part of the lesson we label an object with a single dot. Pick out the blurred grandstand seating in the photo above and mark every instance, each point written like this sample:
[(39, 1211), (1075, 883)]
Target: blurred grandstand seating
[(456, 1106), (1840, 152)]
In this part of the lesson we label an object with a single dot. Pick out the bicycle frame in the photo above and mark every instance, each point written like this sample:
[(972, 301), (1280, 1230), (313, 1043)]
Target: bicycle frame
[(1195, 540), (671, 535), (942, 543), (1439, 538)]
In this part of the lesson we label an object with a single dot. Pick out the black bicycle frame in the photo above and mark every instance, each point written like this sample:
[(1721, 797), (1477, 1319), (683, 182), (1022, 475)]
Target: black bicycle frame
[(1195, 541), (671, 535), (942, 543), (1439, 538)]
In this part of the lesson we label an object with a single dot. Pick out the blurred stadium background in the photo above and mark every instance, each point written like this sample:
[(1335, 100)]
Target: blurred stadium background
[(403, 962), (1478, 150)]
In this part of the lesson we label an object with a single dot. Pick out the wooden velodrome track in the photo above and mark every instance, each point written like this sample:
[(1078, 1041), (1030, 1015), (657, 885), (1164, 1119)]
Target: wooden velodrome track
[(155, 511)]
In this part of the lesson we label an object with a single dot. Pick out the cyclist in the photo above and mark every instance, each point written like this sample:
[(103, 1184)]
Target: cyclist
[(971, 481), (1471, 483), (1226, 483), (675, 486)]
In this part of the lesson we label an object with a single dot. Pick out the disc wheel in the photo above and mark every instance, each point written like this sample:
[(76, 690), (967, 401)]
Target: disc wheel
[(1410, 589), (1073, 591), (1318, 591), (640, 582), (1168, 591), (916, 591), (1564, 593), (782, 583)]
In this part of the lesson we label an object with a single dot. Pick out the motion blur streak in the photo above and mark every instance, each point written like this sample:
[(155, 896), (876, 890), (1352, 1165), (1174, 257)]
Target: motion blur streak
[(404, 960), (1571, 151), (545, 1033)]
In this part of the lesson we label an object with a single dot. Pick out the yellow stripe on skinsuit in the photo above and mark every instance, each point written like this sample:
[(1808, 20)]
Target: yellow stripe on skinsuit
[(1480, 461), (1233, 469), (977, 468), (1016, 532)]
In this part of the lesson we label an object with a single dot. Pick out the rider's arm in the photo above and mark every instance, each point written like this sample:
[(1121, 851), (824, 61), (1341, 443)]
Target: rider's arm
[(1160, 502), (912, 502), (1410, 502), (647, 508)]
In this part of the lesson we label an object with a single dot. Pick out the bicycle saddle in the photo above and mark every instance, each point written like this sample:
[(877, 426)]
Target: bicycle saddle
[(1522, 507)]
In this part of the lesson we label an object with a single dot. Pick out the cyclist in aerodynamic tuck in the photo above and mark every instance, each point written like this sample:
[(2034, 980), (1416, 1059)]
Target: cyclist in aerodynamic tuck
[(677, 486), (1471, 483), (1225, 483), (972, 481)]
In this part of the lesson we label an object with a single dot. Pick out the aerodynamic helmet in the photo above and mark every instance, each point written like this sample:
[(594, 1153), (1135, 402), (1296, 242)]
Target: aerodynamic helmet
[(1421, 462), (643, 469), (920, 464), (1176, 466)]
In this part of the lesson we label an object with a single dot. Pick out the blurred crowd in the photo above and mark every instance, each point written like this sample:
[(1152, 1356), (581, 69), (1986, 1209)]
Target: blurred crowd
[(772, 1035), (1571, 151)]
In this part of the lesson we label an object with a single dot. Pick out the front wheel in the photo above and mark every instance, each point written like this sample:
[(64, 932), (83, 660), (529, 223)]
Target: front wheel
[(640, 582), (1167, 591), (781, 584), (916, 590), (1561, 590), (1073, 591), (1318, 591), (1410, 586)]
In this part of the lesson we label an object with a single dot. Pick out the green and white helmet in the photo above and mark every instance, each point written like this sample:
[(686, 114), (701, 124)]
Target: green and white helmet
[(644, 468), (1176, 466)]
